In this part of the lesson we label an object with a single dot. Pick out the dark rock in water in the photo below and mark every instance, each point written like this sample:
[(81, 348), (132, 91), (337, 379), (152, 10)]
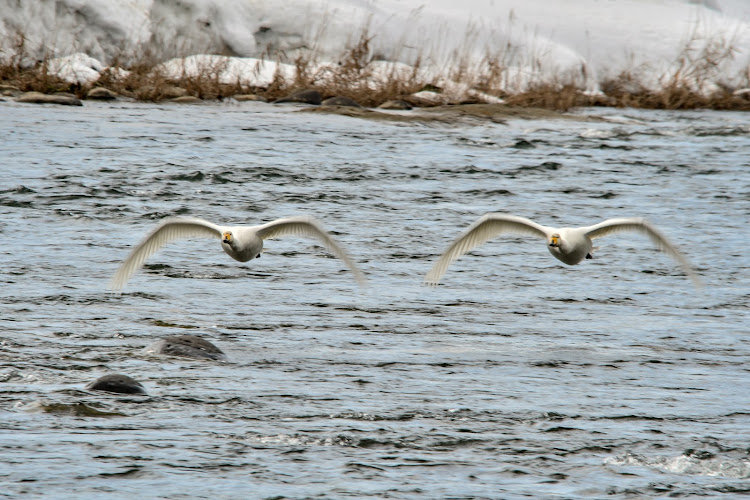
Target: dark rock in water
[(341, 101), (187, 346), (306, 96), (396, 104), (39, 98), (116, 383), (101, 94)]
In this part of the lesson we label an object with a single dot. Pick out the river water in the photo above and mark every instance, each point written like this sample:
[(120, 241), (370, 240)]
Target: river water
[(517, 377)]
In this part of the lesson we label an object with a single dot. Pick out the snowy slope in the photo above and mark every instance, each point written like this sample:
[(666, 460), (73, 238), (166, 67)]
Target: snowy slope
[(538, 37)]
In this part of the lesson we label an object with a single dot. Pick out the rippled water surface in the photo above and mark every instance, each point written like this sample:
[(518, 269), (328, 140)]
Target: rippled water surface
[(516, 377)]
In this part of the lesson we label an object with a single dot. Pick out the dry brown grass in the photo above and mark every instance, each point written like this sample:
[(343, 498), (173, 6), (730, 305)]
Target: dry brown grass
[(549, 96), (694, 80), (684, 86), (351, 76), (676, 95), (15, 72)]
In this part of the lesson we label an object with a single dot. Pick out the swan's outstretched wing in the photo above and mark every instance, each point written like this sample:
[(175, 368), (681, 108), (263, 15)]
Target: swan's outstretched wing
[(642, 226), (168, 230), (309, 227), (485, 228)]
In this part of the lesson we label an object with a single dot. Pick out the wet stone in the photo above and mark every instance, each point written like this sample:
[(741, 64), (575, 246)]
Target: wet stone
[(396, 104), (341, 101), (172, 91), (186, 99), (305, 96), (426, 98), (101, 94), (249, 97), (115, 382), (39, 98), (10, 91), (151, 92), (186, 346)]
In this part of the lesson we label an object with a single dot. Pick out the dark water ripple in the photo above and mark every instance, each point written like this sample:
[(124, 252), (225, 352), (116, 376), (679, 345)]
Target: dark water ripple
[(516, 378)]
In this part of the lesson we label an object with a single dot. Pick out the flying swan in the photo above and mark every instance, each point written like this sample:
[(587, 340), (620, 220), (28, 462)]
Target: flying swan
[(242, 243), (569, 244)]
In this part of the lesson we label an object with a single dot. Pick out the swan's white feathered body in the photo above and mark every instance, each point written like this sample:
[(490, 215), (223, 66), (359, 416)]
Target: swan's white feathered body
[(242, 243), (569, 244)]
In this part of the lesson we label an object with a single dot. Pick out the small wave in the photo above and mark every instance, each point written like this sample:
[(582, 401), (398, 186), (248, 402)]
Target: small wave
[(480, 143), (350, 441), (487, 193), (604, 196), (401, 417), (546, 166), (20, 189), (718, 131), (196, 176), (595, 133), (73, 409), (467, 169), (691, 462), (623, 120), (301, 440), (15, 203), (619, 146), (60, 298)]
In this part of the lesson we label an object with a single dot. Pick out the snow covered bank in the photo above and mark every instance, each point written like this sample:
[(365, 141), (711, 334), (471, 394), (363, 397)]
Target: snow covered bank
[(464, 48), (536, 37)]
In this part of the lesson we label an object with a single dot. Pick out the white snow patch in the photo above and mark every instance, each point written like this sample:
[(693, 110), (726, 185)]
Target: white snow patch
[(77, 68)]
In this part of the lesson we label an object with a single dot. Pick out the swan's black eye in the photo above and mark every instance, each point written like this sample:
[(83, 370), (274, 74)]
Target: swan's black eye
[(257, 256)]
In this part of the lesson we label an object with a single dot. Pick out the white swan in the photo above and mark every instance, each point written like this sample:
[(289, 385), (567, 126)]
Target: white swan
[(569, 244), (242, 243)]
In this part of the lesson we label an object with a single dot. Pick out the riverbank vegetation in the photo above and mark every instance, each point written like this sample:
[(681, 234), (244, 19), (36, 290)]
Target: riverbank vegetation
[(693, 81)]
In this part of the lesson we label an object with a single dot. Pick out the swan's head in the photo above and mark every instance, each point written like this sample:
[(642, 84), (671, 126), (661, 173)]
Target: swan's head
[(554, 240), (227, 238)]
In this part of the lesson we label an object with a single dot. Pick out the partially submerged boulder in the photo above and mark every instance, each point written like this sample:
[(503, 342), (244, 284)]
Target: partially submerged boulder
[(101, 94), (397, 104), (305, 96), (341, 101), (186, 346), (115, 382)]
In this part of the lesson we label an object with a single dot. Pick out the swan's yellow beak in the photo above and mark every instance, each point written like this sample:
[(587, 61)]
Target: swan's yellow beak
[(554, 241), (227, 237)]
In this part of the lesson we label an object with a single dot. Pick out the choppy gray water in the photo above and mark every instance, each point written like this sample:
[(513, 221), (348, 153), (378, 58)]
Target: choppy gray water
[(516, 377)]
